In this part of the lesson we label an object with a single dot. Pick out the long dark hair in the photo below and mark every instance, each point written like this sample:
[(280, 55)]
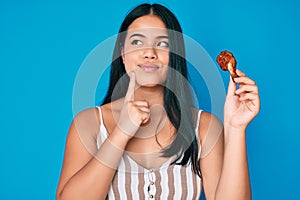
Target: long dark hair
[(179, 106)]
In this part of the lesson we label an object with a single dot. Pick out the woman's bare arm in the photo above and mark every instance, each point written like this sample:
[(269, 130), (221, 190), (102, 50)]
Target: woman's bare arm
[(212, 141), (234, 182), (241, 106), (89, 176), (225, 168), (84, 175)]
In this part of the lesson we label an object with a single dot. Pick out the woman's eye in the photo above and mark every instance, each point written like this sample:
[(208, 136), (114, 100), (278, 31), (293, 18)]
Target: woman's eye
[(136, 42), (163, 44)]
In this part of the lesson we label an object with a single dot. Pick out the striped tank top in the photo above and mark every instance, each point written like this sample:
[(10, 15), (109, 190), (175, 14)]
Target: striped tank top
[(169, 182)]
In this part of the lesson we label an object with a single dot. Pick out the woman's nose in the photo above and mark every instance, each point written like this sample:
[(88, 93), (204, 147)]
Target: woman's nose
[(150, 53)]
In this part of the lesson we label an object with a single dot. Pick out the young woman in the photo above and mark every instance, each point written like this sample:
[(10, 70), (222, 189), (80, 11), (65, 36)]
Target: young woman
[(147, 141)]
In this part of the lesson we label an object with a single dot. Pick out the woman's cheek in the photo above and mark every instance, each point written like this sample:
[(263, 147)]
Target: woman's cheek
[(129, 64)]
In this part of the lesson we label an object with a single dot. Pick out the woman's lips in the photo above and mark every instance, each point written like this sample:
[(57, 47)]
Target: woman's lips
[(149, 67)]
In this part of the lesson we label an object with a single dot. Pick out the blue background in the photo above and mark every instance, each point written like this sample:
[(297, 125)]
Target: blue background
[(43, 43)]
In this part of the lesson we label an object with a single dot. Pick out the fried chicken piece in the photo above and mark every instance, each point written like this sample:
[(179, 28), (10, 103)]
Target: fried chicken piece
[(227, 62)]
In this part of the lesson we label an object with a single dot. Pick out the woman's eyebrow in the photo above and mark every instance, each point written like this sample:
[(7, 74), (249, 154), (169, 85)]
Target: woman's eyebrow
[(137, 35), (143, 36), (162, 37)]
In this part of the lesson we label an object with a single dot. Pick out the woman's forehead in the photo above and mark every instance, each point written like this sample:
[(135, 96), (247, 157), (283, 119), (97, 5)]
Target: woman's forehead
[(148, 32), (146, 22)]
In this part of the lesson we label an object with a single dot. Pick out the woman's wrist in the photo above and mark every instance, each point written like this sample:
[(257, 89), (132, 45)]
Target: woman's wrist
[(234, 132), (115, 145), (234, 137), (234, 127), (119, 138)]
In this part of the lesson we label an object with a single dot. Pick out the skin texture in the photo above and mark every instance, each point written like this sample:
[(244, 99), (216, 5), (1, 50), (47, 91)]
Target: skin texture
[(153, 39), (87, 172)]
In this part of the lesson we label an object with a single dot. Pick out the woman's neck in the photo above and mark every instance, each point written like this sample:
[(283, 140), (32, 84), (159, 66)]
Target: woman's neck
[(153, 95)]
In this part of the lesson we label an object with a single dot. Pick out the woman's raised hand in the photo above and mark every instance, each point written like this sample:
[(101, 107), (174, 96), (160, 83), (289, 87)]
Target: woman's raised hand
[(134, 113), (243, 103)]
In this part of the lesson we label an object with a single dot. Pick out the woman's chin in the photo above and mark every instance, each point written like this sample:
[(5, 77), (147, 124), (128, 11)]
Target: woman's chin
[(149, 83)]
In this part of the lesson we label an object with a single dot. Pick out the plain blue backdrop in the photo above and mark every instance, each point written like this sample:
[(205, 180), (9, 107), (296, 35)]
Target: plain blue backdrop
[(43, 44)]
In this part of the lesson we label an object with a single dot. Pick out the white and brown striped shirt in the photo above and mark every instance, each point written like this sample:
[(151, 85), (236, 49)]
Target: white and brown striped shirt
[(132, 181)]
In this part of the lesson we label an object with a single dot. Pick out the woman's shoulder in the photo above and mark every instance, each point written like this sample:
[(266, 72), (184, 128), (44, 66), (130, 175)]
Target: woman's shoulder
[(87, 121), (88, 114), (209, 124), (207, 117)]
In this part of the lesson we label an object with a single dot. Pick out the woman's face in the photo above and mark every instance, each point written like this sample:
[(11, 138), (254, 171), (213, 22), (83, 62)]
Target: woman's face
[(146, 50)]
